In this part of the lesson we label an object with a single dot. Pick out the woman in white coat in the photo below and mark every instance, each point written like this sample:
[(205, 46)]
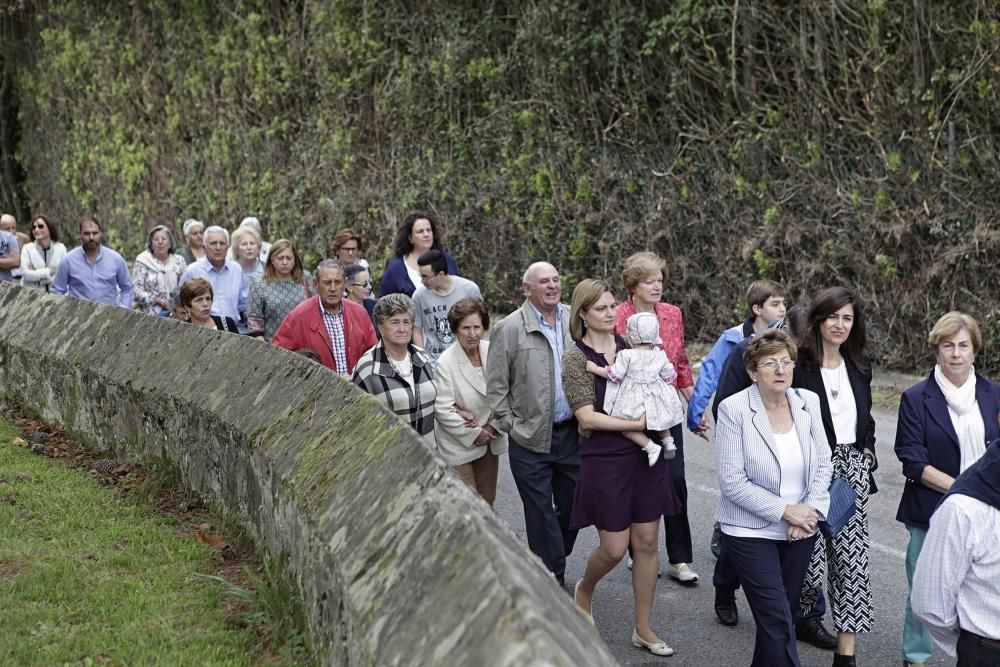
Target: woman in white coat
[(466, 438), (41, 257), (774, 473)]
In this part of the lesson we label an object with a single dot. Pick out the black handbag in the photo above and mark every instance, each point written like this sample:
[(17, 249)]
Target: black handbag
[(843, 505)]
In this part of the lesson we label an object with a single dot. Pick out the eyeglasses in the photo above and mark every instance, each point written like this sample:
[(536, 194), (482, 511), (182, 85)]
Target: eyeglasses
[(786, 364), (345, 248), (425, 278), (366, 283)]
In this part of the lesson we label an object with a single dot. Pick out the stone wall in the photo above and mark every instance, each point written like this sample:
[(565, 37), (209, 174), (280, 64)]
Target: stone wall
[(397, 562)]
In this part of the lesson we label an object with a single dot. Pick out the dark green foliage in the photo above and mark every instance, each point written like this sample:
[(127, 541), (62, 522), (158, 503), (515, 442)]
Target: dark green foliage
[(804, 141)]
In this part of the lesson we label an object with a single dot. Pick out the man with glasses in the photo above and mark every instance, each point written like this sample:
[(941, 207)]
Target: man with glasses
[(434, 298)]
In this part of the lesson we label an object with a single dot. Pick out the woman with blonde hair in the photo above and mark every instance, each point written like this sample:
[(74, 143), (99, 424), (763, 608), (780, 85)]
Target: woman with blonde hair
[(245, 247), (944, 424), (285, 285), (617, 491)]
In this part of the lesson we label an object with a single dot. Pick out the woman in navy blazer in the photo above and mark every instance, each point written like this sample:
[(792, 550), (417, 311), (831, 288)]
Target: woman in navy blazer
[(418, 234), (774, 474), (944, 424)]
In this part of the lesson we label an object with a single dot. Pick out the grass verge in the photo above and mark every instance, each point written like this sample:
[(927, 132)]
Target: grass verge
[(90, 577)]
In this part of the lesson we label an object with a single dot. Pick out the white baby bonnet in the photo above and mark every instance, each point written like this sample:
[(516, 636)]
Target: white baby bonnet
[(643, 328)]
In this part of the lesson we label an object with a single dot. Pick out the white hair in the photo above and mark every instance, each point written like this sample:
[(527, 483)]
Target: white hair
[(215, 229)]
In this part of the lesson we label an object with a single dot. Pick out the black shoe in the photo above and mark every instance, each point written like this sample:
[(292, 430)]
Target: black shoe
[(725, 606), (813, 632), (844, 660)]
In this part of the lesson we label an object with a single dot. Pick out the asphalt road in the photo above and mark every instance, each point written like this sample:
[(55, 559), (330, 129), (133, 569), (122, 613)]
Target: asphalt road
[(684, 616)]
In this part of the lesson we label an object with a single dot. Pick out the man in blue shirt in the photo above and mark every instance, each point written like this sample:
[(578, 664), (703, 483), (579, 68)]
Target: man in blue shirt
[(94, 272), (229, 284), (10, 252)]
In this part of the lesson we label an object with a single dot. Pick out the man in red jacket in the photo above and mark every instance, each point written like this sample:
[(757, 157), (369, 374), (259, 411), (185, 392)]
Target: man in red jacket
[(336, 329)]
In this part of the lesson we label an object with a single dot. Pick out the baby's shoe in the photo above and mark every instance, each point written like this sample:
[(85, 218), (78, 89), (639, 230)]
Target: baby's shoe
[(652, 453), (669, 449)]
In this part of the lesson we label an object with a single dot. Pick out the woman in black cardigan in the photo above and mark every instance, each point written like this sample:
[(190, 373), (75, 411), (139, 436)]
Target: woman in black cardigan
[(832, 363)]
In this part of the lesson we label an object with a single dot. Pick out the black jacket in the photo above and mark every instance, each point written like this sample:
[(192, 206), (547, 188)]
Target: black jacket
[(811, 378)]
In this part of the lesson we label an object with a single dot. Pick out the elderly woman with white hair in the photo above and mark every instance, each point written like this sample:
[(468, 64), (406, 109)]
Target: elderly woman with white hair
[(194, 249), (397, 372), (156, 272)]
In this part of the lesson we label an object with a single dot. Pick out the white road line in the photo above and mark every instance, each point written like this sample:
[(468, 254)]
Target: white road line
[(712, 491)]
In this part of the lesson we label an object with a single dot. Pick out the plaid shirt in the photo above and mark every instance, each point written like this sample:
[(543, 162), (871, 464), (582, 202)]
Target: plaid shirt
[(338, 343), (413, 404)]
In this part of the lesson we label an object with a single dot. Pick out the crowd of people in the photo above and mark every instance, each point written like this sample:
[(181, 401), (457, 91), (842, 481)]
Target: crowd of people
[(586, 400)]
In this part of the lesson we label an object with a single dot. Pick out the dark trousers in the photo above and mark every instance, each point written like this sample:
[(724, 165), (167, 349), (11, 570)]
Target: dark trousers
[(976, 651), (676, 528), (771, 572), (725, 578), (546, 484)]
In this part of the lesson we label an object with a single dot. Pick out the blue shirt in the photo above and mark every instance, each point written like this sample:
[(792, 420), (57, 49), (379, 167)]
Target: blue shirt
[(8, 247), (560, 407), (229, 286), (711, 369), (105, 280)]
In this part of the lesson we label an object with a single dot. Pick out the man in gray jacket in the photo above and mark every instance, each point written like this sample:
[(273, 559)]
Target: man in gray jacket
[(524, 389)]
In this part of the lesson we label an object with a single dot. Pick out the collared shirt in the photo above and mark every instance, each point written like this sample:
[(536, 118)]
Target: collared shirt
[(338, 341), (560, 407), (8, 248), (958, 574), (105, 280), (229, 286)]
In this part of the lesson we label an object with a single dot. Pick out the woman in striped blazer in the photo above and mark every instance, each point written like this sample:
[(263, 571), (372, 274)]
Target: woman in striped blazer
[(774, 474)]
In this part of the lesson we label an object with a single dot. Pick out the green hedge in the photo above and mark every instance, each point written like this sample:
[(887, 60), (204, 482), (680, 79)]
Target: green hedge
[(808, 142)]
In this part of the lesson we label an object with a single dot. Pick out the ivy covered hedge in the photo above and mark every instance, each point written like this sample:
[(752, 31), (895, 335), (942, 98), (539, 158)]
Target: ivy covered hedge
[(815, 143)]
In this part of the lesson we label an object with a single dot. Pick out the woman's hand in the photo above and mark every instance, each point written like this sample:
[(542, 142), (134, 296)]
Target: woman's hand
[(801, 516), (796, 533), (592, 368), (467, 416)]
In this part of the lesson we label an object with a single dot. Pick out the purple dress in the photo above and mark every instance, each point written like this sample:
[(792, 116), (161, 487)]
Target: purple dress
[(616, 486)]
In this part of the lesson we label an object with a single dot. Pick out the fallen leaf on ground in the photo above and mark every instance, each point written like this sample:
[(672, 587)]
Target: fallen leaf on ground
[(212, 539), (23, 477), (11, 497), (20, 442)]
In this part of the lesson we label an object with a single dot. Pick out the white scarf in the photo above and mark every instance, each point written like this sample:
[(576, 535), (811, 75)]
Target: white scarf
[(965, 416)]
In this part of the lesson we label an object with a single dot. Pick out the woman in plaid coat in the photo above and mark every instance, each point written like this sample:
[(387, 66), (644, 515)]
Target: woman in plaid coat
[(397, 372)]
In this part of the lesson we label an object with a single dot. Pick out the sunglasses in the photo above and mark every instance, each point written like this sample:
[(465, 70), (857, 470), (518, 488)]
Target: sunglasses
[(40, 225), (366, 283)]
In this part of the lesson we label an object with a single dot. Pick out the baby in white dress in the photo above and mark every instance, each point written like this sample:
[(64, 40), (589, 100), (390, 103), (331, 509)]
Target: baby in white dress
[(640, 382)]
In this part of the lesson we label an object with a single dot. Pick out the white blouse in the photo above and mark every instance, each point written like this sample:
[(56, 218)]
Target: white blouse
[(843, 408), (791, 489)]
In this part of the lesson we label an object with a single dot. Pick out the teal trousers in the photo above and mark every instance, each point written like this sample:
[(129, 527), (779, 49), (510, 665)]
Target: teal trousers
[(916, 639)]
